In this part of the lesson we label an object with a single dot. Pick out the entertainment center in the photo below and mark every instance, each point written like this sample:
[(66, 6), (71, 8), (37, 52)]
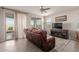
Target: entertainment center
[(57, 31)]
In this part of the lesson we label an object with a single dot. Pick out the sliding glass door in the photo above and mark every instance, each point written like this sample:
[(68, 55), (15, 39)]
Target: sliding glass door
[(10, 26)]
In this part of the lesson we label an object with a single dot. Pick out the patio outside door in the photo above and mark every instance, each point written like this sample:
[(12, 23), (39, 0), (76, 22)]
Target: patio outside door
[(10, 27)]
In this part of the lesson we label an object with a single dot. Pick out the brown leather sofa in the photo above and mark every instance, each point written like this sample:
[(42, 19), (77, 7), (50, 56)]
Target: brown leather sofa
[(40, 38)]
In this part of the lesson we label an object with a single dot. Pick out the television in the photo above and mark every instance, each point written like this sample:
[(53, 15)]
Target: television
[(57, 25)]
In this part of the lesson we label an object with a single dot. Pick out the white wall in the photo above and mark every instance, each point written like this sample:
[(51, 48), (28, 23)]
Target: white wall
[(72, 22), (2, 25)]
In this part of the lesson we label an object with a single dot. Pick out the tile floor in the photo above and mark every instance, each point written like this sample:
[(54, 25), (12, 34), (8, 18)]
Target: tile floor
[(23, 45)]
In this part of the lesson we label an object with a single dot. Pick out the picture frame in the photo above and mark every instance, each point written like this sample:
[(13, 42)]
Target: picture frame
[(61, 18)]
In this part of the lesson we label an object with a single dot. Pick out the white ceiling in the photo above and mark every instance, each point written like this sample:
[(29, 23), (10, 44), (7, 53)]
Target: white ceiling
[(36, 9)]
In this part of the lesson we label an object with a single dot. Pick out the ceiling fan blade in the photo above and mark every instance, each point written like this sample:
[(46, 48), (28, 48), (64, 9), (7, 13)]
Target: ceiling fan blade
[(43, 10), (46, 8)]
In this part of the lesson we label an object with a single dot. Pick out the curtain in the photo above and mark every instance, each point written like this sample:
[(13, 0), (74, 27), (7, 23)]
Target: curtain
[(21, 24)]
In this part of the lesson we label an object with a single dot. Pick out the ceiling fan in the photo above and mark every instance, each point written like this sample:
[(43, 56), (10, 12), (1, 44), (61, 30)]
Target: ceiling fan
[(43, 10)]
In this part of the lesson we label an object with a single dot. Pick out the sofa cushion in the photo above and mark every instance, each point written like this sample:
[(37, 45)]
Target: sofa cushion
[(36, 31)]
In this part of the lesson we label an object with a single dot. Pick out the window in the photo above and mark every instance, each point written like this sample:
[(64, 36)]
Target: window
[(36, 22), (33, 23), (9, 23), (48, 22)]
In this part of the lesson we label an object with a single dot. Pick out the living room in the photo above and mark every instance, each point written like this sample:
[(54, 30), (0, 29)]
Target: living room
[(60, 24)]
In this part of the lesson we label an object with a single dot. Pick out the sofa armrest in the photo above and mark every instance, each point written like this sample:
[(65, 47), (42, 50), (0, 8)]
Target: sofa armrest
[(51, 41), (49, 44)]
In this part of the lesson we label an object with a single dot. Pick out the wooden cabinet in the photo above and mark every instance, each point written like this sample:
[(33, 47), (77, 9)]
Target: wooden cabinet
[(77, 35), (59, 33)]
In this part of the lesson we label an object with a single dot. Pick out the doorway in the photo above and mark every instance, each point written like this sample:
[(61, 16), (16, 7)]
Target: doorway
[(10, 26)]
